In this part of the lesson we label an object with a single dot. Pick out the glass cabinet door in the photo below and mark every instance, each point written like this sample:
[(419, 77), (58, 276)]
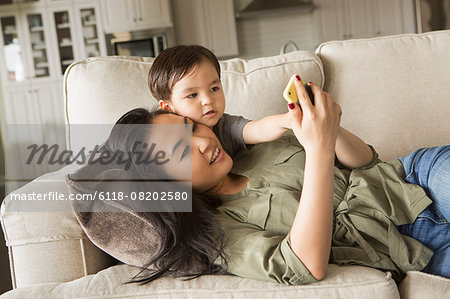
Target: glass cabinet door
[(10, 2), (90, 32), (64, 38), (12, 49), (38, 41)]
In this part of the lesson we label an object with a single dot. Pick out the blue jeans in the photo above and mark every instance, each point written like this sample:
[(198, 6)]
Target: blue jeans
[(430, 168)]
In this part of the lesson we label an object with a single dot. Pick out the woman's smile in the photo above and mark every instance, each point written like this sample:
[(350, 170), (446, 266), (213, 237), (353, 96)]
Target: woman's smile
[(209, 163), (217, 156)]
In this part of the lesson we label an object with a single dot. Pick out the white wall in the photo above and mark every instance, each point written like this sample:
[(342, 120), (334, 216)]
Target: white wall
[(265, 36)]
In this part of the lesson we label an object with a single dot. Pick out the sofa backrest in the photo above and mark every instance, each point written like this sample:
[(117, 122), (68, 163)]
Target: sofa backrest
[(100, 90), (394, 91)]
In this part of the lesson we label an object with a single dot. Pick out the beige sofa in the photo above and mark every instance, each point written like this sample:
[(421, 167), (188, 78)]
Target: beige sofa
[(394, 92)]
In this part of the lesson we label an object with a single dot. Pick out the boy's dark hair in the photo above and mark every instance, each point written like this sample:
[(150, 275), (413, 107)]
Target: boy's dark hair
[(172, 64)]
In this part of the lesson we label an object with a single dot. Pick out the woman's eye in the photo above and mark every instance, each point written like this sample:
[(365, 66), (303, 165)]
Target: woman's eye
[(186, 151), (215, 88), (191, 96)]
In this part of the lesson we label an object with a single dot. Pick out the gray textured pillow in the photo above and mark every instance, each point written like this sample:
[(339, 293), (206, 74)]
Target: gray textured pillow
[(123, 233)]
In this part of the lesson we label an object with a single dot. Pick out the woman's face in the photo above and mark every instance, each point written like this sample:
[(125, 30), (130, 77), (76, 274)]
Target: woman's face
[(210, 163)]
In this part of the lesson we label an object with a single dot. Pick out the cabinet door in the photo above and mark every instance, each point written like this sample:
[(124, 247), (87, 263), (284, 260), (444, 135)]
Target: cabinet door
[(38, 42), (19, 111), (207, 23), (14, 139), (48, 110), (220, 27), (91, 38), (119, 15), (64, 27), (359, 19), (12, 46), (35, 115), (153, 14)]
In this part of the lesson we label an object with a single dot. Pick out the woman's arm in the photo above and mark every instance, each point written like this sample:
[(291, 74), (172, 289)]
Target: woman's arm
[(316, 127), (351, 150), (311, 230)]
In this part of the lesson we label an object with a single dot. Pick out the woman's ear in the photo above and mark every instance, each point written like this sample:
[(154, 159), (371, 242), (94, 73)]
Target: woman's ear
[(165, 105)]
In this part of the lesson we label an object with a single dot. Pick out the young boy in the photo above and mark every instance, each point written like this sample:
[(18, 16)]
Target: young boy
[(186, 80)]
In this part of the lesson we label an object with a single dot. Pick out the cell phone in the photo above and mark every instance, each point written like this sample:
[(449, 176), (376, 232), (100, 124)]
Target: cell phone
[(290, 93)]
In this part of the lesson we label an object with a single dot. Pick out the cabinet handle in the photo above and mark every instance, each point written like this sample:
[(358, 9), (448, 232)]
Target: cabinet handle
[(134, 20)]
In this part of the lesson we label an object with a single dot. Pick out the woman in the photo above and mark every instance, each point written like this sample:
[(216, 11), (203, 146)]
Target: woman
[(286, 211)]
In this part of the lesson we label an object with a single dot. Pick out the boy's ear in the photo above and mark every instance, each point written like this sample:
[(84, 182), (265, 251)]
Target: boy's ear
[(165, 105)]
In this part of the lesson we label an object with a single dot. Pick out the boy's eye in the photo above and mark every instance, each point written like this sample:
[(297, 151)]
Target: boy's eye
[(192, 95), (194, 127), (215, 88)]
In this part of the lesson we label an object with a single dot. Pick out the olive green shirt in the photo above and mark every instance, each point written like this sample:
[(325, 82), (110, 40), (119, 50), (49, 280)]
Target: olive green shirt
[(369, 202)]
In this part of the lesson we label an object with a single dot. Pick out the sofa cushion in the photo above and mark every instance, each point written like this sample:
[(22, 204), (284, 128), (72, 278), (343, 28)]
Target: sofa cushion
[(341, 282), (394, 91), (100, 90), (419, 285)]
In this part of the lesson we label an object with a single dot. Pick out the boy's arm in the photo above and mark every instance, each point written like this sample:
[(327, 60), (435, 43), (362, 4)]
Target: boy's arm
[(266, 129)]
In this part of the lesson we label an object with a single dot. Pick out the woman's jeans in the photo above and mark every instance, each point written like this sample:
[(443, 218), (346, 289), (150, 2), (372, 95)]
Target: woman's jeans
[(430, 168)]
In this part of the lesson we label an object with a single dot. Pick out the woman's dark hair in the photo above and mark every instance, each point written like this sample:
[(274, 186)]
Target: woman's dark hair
[(190, 242), (172, 64)]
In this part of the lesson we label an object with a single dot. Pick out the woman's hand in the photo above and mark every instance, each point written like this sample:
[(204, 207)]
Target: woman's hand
[(315, 126)]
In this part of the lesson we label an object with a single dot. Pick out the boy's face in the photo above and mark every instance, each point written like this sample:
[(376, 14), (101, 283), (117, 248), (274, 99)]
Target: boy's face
[(199, 95)]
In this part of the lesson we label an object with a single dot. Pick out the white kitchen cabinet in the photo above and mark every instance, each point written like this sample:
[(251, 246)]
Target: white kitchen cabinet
[(347, 19), (153, 14), (77, 32), (207, 23), (220, 26), (118, 15), (91, 36), (25, 45), (63, 31), (129, 15), (37, 43)]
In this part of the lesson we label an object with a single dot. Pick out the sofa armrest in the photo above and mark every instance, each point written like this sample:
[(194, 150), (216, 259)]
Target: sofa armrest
[(48, 247)]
